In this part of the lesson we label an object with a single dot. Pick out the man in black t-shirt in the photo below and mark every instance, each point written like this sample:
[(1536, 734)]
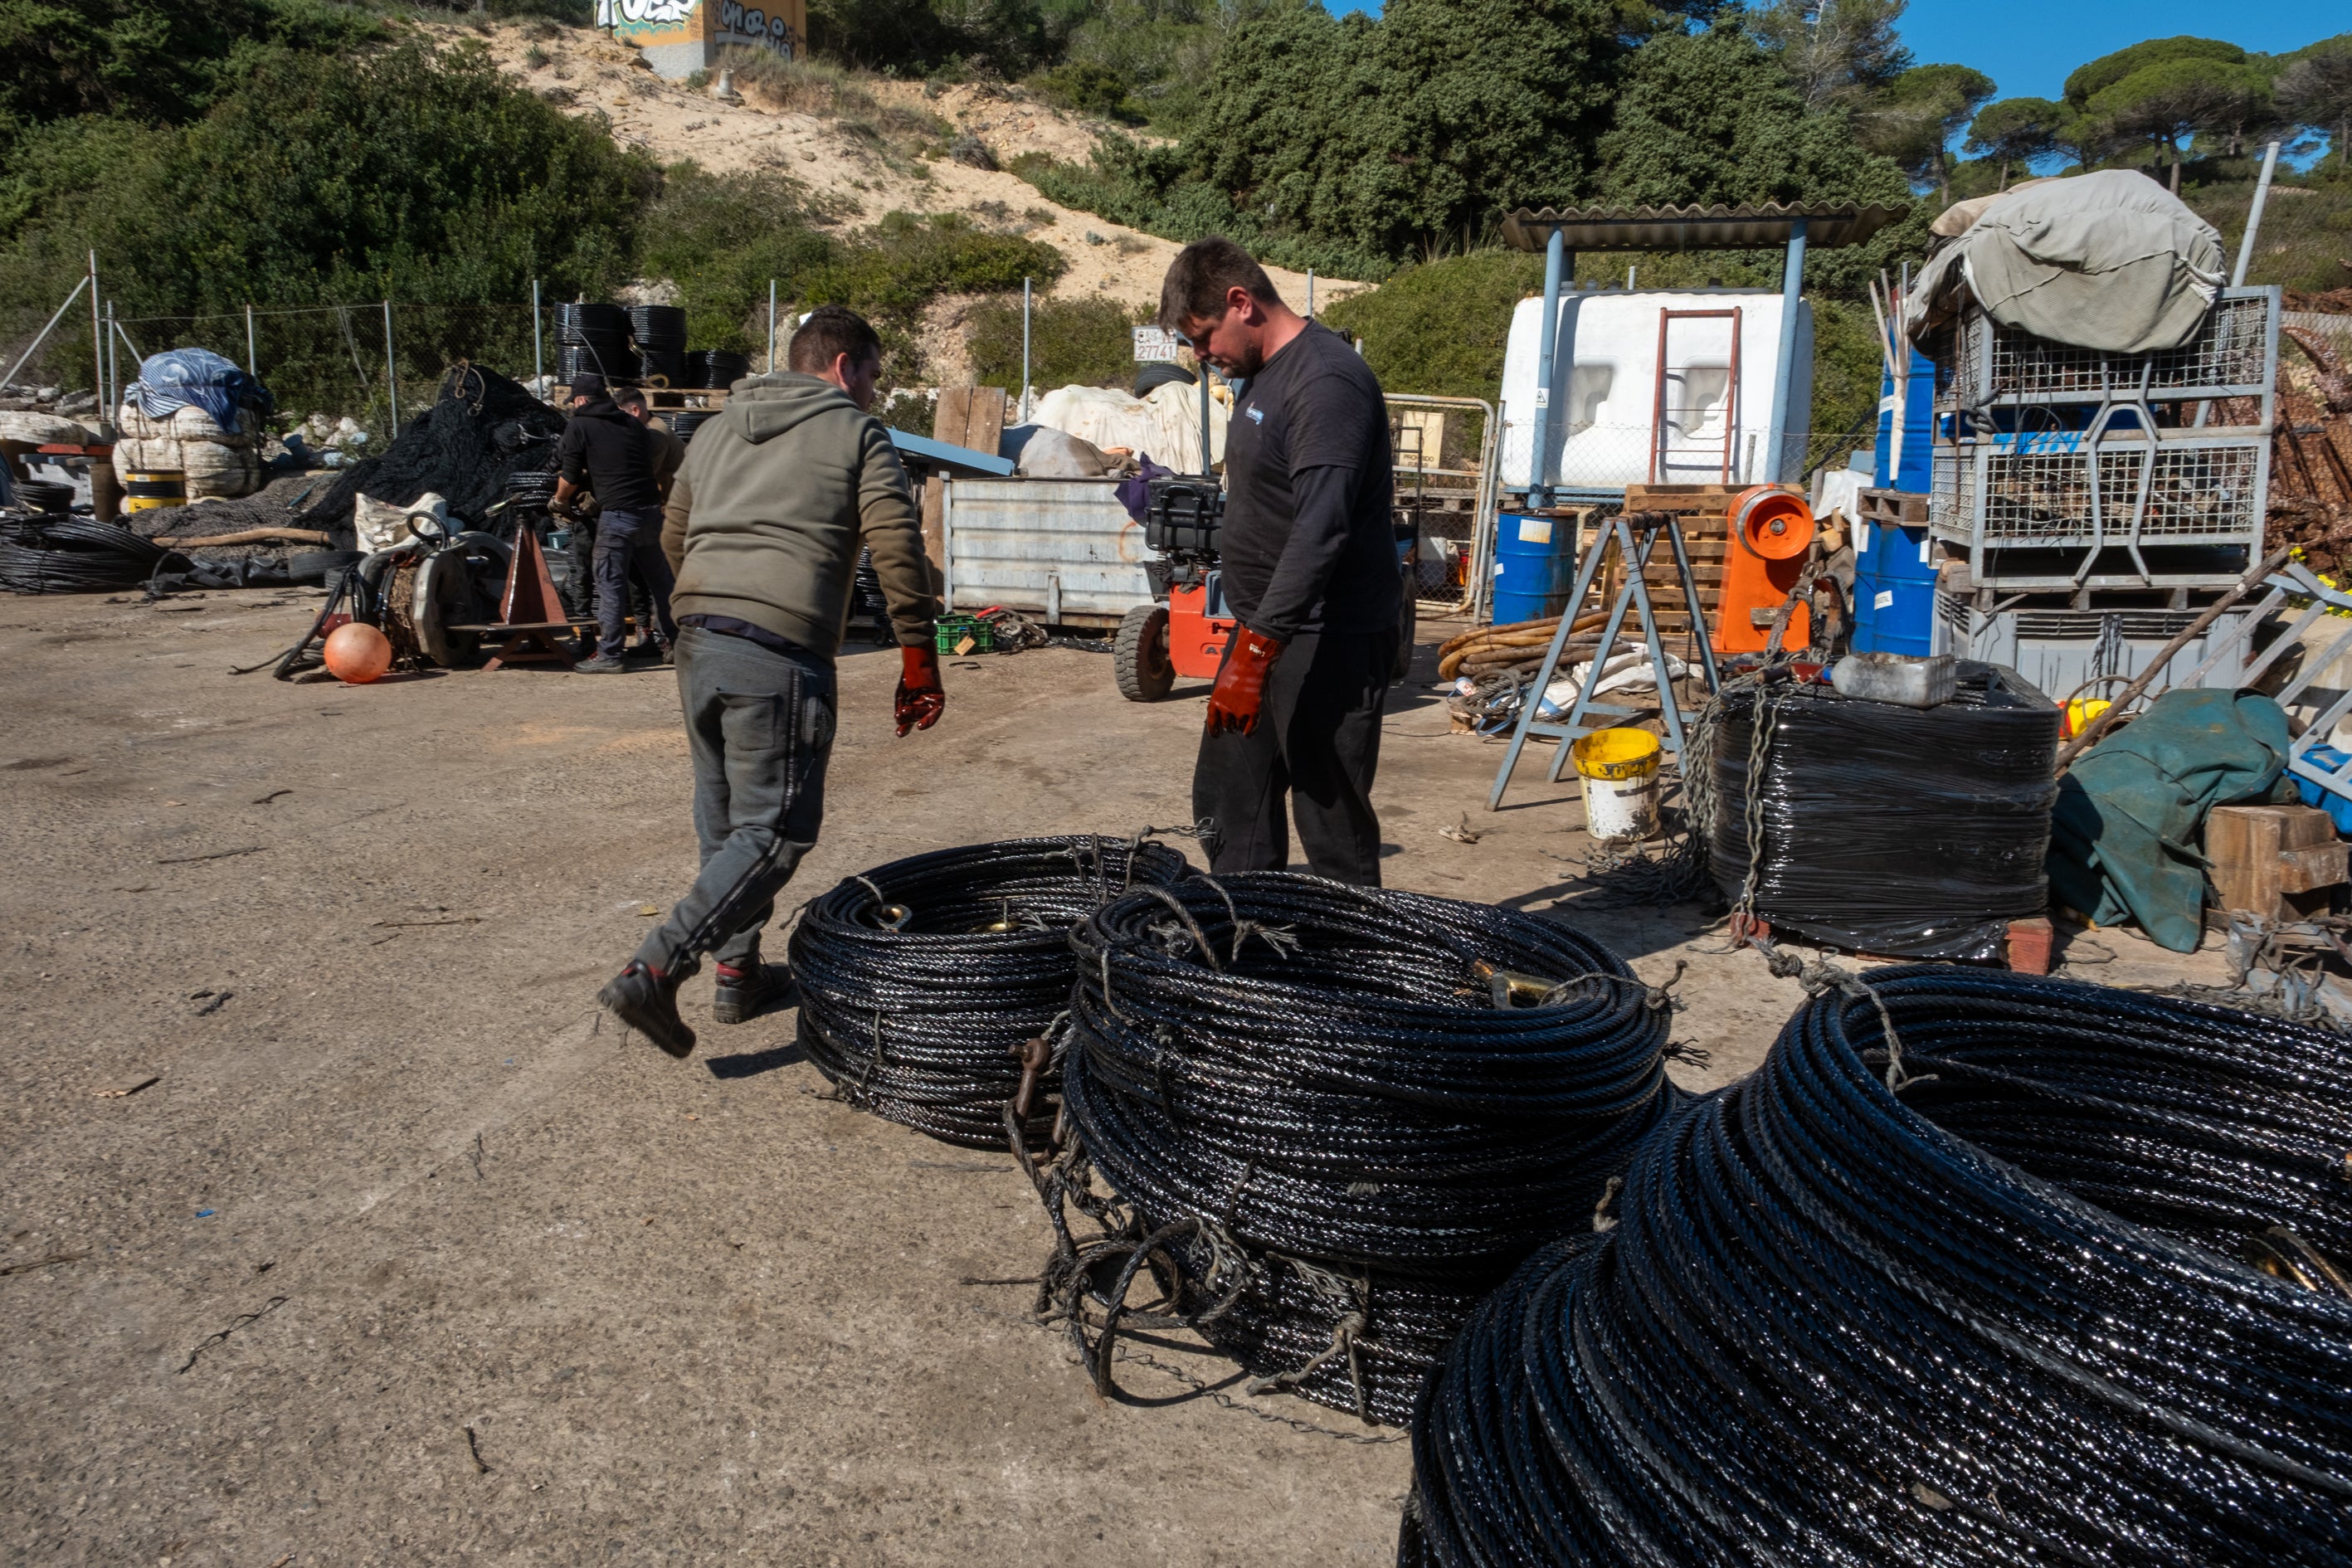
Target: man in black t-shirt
[(1309, 562), (616, 458)]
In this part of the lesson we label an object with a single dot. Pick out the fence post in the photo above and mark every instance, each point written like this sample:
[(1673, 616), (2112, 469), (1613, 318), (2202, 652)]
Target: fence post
[(97, 331), (538, 356), (772, 327), (1025, 351), (252, 359), (110, 401), (390, 371)]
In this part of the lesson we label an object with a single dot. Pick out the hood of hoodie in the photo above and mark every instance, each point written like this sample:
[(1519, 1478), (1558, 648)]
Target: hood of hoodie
[(783, 400)]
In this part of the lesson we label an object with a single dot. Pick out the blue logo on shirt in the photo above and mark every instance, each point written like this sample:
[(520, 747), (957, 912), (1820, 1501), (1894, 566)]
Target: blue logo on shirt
[(1257, 415)]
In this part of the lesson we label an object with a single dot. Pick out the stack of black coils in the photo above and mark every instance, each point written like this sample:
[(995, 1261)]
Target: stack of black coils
[(922, 981), (2071, 1292), (1341, 1116), (593, 340), (716, 367), (62, 554), (658, 334)]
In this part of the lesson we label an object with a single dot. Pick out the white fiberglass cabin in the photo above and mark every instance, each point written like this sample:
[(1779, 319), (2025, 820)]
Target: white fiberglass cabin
[(1668, 387)]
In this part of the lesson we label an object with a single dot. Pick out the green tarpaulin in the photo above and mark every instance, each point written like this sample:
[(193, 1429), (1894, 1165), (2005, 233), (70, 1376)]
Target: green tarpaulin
[(2131, 812)]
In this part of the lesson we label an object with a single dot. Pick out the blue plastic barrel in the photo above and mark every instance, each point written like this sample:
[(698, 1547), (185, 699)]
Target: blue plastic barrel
[(1894, 616), (1896, 554), (1918, 426), (1535, 566)]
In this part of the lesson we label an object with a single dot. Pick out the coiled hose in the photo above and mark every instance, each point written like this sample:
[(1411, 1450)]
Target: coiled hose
[(1996, 1314), (1333, 1118), (50, 554), (921, 980)]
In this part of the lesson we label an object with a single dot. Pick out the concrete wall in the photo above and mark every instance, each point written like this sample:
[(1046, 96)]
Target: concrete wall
[(682, 37)]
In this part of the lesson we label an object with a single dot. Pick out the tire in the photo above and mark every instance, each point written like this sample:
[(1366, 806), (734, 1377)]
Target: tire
[(1139, 655), (312, 565)]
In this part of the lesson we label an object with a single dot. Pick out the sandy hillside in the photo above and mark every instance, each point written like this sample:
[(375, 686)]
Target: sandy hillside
[(587, 74)]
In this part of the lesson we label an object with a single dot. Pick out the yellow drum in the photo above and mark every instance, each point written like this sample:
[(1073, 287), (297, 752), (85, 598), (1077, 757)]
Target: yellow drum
[(151, 491)]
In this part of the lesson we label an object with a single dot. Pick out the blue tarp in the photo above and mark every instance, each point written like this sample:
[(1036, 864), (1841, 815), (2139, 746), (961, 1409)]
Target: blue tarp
[(2124, 835), (171, 380)]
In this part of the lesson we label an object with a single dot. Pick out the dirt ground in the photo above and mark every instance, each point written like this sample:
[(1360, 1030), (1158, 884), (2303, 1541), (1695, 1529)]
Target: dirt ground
[(400, 1257)]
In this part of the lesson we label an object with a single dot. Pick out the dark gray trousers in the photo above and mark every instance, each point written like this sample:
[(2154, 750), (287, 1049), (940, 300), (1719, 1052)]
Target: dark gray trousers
[(625, 540), (759, 724), (1314, 751)]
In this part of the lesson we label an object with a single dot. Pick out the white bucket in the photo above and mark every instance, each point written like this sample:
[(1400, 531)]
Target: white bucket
[(1622, 808)]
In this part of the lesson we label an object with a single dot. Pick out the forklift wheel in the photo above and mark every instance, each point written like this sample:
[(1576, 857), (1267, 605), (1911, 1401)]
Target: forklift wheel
[(1141, 654)]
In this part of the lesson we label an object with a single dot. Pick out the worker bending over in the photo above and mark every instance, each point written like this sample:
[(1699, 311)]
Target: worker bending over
[(1309, 556), (606, 452), (779, 492)]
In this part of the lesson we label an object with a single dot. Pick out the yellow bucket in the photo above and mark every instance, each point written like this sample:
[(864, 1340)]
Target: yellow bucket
[(2081, 711), (1616, 754), (1620, 770)]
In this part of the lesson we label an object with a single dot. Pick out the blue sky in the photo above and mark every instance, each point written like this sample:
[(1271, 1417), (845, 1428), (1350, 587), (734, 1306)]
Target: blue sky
[(2029, 45)]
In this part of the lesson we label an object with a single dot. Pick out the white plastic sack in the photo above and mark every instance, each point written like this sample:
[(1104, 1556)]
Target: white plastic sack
[(1058, 455), (1629, 670), (1166, 425), (381, 524)]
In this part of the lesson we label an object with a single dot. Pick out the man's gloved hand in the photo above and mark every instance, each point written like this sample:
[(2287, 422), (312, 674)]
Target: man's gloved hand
[(920, 699), (1240, 691)]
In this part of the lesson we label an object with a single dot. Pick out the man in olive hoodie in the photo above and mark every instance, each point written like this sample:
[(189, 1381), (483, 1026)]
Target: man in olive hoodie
[(764, 527)]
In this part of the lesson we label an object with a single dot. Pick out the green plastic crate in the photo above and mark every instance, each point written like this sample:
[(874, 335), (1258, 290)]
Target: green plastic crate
[(953, 629)]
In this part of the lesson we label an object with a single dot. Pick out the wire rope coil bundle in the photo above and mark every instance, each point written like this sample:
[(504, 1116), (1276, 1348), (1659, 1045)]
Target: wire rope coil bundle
[(2071, 1291), (922, 980), (1883, 828), (1331, 1117), (62, 554)]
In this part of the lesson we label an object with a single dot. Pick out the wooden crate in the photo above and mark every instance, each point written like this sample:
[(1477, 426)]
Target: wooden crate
[(2281, 862), (1702, 510)]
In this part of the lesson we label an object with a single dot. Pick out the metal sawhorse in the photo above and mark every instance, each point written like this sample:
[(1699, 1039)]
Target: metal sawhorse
[(1636, 595)]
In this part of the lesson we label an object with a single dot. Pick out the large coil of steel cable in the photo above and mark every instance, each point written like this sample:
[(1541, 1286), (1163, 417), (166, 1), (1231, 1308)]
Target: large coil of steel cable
[(922, 980), (1337, 1117), (55, 553), (2071, 1292)]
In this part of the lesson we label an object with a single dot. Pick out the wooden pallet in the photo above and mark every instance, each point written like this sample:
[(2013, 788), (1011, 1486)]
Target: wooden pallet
[(1704, 511), (1907, 507)]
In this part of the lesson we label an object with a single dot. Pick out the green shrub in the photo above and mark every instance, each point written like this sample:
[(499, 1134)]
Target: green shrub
[(1439, 329), (1087, 87), (1085, 342)]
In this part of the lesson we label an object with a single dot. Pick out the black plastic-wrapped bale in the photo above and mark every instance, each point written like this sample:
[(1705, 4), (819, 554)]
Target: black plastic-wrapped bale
[(1320, 1086), (921, 980), (1917, 832), (2071, 1292)]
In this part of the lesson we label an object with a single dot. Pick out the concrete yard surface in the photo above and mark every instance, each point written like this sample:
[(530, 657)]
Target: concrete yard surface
[(336, 1226)]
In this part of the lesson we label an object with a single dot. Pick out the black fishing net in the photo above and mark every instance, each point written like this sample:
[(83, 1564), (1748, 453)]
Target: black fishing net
[(1880, 828), (481, 431)]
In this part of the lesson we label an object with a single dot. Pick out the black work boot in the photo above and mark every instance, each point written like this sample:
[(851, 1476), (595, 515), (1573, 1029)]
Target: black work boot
[(645, 999), (746, 992)]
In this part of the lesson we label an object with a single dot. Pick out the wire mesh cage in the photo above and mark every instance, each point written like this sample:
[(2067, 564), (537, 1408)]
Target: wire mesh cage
[(2234, 355), (2206, 491)]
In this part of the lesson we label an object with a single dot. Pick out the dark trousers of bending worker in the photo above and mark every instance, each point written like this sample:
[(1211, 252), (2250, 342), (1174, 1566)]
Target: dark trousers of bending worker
[(759, 723), (627, 540), (1317, 742)]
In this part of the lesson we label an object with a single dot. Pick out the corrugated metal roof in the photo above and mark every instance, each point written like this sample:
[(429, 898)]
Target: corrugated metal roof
[(1718, 228)]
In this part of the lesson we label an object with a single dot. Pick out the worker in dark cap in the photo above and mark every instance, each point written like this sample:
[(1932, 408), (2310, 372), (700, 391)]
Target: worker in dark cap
[(617, 459), (1307, 551)]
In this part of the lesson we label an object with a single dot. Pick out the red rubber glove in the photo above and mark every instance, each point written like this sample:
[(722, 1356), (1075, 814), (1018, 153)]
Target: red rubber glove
[(920, 699), (1240, 691)]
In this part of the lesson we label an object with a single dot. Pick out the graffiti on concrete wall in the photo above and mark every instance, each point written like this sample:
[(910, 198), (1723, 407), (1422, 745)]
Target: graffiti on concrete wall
[(656, 12), (739, 23)]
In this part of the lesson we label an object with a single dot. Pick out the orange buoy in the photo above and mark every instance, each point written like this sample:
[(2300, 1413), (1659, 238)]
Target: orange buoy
[(358, 653)]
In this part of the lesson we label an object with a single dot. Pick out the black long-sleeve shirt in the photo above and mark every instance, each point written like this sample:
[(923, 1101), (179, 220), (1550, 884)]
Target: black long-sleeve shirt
[(1308, 541), (610, 455)]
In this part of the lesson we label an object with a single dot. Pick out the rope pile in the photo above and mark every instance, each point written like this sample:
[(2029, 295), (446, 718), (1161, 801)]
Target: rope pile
[(1332, 1118), (2061, 1294), (922, 980), (1519, 645), (60, 553)]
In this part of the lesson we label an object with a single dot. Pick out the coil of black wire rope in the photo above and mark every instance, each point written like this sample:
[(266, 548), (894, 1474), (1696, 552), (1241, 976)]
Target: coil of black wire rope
[(1331, 1117), (2070, 1292), (53, 554), (922, 980)]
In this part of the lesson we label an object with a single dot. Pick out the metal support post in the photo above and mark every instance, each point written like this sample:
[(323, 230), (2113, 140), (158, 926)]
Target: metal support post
[(2254, 217), (97, 331), (1310, 293), (538, 354), (1025, 351), (1547, 347), (771, 326), (110, 397), (1784, 370), (390, 371), (252, 359), (1208, 463)]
